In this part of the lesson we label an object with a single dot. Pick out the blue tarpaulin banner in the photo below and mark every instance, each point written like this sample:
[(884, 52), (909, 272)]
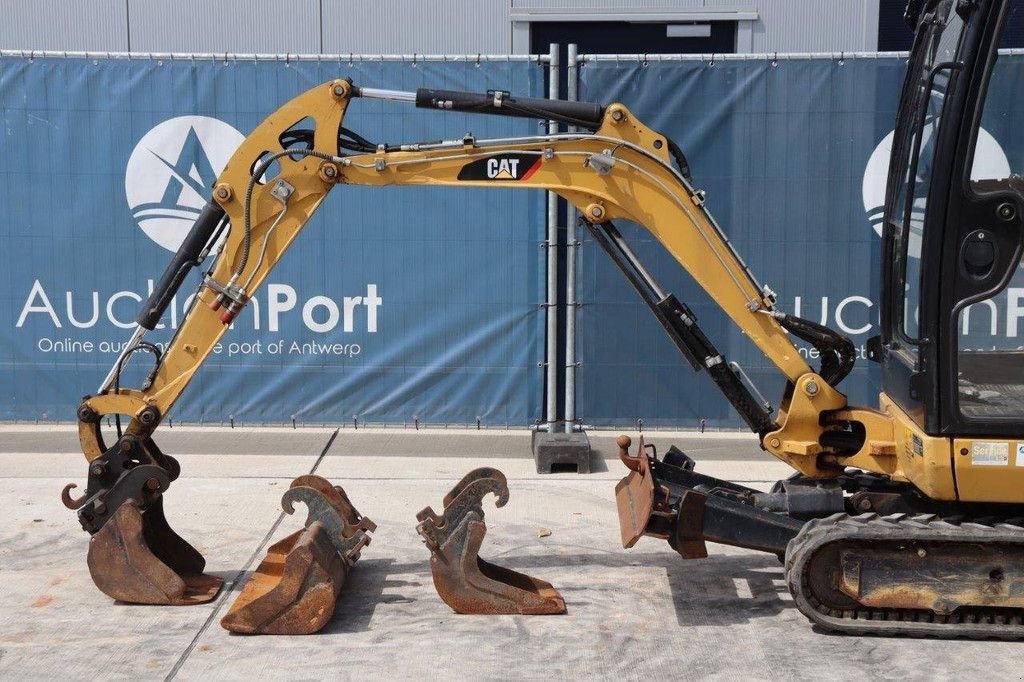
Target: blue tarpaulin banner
[(394, 304), (398, 304), (793, 155)]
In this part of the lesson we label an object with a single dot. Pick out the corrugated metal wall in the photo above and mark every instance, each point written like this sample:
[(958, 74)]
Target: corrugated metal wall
[(407, 26), (668, 5), (818, 26), (395, 26), (99, 25), (264, 26)]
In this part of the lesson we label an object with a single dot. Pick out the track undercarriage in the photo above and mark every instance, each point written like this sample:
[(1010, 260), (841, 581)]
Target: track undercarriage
[(862, 554)]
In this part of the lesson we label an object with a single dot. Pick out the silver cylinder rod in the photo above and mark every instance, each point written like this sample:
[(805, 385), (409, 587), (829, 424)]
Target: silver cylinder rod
[(108, 382), (377, 93), (615, 236), (551, 369)]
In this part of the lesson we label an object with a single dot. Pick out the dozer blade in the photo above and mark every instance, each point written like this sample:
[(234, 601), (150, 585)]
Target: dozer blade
[(294, 589), (134, 555), (463, 580), (634, 494)]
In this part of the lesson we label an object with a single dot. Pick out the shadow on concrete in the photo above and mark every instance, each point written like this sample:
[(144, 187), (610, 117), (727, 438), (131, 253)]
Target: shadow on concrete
[(718, 591), (363, 591), (228, 576), (598, 464), (708, 591)]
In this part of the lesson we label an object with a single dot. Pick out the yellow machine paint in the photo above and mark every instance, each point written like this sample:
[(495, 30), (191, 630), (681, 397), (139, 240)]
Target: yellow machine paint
[(643, 191)]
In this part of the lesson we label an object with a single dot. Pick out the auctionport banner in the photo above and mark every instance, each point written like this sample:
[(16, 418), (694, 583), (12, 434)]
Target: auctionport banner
[(793, 155), (394, 304)]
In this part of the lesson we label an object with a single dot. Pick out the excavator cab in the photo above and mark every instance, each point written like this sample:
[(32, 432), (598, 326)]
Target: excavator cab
[(952, 355)]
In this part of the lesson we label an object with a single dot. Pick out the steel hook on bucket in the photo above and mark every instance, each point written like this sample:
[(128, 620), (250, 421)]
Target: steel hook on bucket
[(70, 502)]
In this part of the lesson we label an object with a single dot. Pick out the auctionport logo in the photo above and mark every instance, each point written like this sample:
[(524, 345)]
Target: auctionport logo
[(989, 162), (171, 171)]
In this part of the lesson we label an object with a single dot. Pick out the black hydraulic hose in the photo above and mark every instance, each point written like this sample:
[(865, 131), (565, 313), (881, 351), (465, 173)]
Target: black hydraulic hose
[(680, 158), (837, 352), (361, 143), (347, 139), (257, 173)]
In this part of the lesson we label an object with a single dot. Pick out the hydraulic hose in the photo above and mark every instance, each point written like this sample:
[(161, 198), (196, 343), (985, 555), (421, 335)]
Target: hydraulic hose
[(257, 173)]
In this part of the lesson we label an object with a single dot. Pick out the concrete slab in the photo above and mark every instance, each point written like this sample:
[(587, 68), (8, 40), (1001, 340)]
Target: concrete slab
[(55, 623), (641, 613)]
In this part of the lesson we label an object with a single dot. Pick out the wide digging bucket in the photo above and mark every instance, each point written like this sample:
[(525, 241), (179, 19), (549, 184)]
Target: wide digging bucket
[(463, 580), (134, 555), (294, 589)]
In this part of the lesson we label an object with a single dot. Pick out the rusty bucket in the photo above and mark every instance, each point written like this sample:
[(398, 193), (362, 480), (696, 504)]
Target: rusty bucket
[(134, 554), (294, 589), (463, 580)]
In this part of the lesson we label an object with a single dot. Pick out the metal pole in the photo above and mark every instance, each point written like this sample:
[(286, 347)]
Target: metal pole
[(572, 94), (552, 264)]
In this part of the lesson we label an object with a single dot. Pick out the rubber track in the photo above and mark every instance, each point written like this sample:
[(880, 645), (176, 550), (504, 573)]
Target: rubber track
[(978, 623)]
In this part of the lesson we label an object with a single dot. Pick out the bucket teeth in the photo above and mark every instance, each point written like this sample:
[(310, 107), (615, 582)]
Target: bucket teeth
[(463, 580), (294, 589)]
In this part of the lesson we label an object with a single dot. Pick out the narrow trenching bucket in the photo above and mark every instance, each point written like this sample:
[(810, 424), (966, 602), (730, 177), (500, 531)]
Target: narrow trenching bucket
[(138, 559), (294, 589), (463, 580), (134, 554)]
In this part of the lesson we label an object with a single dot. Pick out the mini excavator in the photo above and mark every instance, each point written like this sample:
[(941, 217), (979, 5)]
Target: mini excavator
[(901, 519)]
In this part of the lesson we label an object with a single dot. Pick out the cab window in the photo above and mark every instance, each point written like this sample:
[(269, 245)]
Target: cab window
[(917, 130), (990, 333)]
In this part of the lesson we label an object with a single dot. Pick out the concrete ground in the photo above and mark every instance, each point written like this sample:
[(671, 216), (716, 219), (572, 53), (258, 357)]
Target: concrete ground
[(632, 614)]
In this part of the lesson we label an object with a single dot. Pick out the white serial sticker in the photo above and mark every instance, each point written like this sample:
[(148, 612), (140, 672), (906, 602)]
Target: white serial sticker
[(990, 454), (1020, 454)]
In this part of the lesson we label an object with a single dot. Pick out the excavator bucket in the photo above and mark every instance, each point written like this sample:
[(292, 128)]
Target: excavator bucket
[(137, 558), (293, 591), (464, 581), (134, 555)]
